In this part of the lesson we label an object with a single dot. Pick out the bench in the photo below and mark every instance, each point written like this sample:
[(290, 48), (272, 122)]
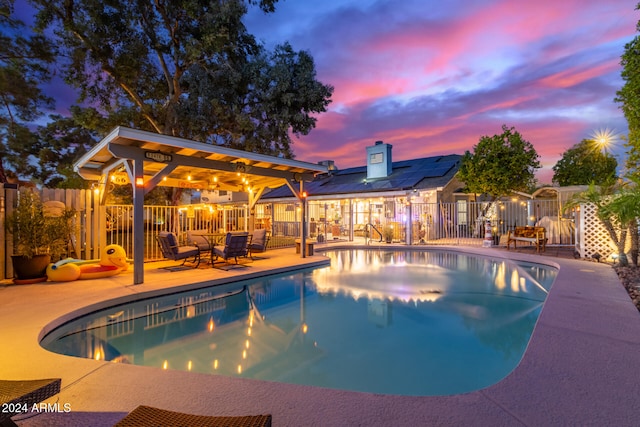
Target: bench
[(309, 245), (532, 235)]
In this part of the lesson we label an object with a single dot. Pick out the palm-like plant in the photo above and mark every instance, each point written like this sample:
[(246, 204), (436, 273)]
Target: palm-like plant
[(614, 216), (625, 205)]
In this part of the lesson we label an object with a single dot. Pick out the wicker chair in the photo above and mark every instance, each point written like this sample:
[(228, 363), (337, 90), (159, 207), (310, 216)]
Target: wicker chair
[(147, 416), (15, 395)]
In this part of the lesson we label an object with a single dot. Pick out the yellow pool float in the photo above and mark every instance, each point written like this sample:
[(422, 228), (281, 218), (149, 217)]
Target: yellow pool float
[(113, 260)]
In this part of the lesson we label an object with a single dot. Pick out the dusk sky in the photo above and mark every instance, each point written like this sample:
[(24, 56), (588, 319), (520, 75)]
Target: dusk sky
[(431, 77)]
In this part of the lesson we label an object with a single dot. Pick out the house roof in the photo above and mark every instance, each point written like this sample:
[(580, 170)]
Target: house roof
[(420, 174)]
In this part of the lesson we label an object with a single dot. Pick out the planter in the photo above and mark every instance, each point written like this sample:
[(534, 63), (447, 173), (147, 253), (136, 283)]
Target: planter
[(30, 269)]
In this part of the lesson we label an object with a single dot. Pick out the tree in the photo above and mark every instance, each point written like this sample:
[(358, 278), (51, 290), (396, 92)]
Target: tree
[(500, 164), (60, 143), (187, 68), (583, 164), (629, 98), (278, 93), (23, 67)]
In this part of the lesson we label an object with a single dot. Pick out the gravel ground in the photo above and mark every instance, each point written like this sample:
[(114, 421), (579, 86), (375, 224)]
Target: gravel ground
[(630, 278)]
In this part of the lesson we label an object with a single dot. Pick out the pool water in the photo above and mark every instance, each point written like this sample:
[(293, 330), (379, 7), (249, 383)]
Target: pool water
[(382, 321)]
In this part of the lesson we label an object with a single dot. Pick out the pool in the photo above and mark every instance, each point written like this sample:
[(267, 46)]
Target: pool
[(402, 322)]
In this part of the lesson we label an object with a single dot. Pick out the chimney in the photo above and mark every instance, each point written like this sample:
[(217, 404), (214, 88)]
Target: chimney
[(379, 160), (330, 164)]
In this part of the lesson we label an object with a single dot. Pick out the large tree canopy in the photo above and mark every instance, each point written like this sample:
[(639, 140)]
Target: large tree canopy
[(187, 68), (629, 98), (500, 164), (584, 164), (62, 141), (23, 66)]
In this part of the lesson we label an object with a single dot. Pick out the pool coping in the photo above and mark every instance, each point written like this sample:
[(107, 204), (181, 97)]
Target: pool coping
[(575, 369)]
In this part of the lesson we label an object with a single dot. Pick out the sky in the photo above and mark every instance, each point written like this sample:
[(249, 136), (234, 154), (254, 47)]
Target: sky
[(432, 77)]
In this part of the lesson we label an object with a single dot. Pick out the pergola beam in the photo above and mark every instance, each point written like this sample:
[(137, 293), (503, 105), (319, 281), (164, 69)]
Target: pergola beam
[(131, 152)]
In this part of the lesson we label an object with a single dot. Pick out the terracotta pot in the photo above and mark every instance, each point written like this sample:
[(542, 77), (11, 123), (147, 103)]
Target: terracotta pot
[(25, 268)]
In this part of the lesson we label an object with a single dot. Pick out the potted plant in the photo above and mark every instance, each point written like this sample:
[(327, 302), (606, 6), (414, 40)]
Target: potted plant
[(40, 233)]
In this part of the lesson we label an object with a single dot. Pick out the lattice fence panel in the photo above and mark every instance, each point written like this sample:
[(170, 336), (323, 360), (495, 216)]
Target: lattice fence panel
[(593, 237)]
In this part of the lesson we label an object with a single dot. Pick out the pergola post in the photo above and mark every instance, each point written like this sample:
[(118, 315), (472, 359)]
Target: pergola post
[(137, 173), (303, 221)]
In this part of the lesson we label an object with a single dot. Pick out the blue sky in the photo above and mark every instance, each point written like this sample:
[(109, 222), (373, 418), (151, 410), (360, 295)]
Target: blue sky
[(432, 77)]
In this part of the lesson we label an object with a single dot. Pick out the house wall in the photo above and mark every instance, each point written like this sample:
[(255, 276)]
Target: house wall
[(447, 194)]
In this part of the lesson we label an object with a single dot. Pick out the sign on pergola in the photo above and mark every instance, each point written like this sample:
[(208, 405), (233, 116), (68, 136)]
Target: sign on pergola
[(149, 160)]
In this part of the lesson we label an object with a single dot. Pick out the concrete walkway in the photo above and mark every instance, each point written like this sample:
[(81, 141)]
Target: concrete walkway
[(580, 367)]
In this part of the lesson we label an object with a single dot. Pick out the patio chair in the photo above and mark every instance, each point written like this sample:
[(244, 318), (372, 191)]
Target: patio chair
[(144, 416), (171, 250), (258, 241), (16, 395), (235, 245), (200, 239)]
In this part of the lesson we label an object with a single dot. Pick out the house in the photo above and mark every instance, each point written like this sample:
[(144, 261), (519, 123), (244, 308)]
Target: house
[(382, 193)]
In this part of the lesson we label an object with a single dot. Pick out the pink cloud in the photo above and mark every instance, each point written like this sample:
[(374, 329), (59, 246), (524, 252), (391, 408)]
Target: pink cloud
[(576, 75)]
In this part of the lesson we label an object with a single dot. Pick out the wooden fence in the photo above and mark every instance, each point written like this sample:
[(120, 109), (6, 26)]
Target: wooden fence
[(88, 237)]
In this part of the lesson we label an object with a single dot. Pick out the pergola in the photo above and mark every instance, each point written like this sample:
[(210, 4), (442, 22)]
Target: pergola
[(147, 160)]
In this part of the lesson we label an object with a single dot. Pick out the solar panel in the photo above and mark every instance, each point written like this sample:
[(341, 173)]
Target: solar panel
[(406, 174)]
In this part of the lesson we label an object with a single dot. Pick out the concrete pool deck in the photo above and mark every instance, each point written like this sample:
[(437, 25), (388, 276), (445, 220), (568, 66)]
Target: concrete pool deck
[(580, 367)]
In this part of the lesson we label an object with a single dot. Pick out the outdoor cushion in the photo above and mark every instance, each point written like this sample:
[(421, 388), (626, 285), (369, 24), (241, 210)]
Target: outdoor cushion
[(195, 237), (171, 250), (235, 245), (258, 239)]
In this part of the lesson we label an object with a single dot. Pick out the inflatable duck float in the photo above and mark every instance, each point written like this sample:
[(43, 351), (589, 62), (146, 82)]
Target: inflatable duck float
[(113, 260)]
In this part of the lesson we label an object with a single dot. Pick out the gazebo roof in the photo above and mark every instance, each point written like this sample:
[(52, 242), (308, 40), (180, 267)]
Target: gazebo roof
[(178, 162), (561, 193), (147, 159)]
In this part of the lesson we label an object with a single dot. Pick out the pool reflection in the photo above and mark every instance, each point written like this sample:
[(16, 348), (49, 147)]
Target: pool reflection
[(412, 323)]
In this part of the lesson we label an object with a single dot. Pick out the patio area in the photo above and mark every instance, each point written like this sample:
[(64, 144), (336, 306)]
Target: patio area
[(574, 372)]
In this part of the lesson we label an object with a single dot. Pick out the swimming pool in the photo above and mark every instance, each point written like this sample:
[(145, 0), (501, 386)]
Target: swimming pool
[(383, 321)]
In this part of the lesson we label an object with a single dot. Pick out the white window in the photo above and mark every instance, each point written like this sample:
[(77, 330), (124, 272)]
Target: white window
[(462, 212)]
